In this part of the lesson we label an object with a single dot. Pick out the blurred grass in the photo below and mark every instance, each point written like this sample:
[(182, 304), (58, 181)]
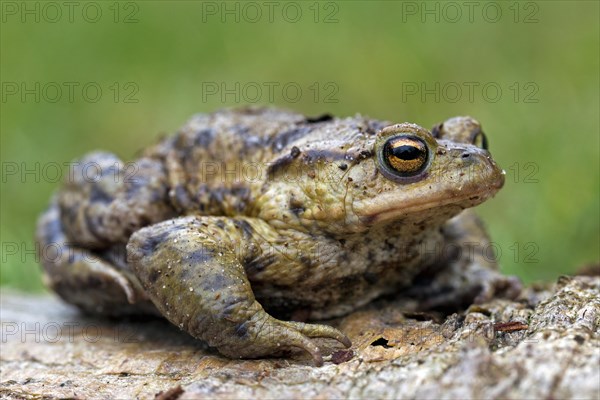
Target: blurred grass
[(546, 219)]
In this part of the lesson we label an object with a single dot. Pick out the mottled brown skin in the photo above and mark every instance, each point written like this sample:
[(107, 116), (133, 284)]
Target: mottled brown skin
[(254, 212)]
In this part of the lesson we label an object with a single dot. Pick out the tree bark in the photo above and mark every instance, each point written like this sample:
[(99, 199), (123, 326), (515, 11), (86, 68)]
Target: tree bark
[(543, 345)]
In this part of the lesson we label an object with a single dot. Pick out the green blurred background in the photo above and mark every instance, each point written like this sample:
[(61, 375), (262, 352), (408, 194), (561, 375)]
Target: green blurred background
[(159, 62)]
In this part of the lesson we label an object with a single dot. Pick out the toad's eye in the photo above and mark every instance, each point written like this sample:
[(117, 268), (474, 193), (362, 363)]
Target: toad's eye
[(405, 156), (480, 140)]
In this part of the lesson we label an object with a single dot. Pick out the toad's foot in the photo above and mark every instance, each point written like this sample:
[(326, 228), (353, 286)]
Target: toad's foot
[(265, 335), (192, 269), (508, 287), (455, 288)]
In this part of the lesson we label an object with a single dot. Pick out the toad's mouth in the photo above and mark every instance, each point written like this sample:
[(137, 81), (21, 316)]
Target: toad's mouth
[(387, 207)]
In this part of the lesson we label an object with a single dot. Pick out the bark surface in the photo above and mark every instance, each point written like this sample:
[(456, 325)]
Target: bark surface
[(546, 344)]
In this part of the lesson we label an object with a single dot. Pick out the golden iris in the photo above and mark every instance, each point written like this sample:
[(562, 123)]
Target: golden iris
[(406, 154)]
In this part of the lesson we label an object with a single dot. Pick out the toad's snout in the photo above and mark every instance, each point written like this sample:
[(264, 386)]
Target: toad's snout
[(477, 165)]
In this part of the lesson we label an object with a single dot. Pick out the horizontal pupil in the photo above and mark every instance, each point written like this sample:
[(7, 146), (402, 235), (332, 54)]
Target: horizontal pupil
[(406, 152)]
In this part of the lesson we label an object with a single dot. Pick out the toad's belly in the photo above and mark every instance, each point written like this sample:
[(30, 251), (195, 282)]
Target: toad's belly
[(333, 299)]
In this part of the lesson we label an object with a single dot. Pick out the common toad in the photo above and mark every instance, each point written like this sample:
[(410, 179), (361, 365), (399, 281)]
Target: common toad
[(248, 213)]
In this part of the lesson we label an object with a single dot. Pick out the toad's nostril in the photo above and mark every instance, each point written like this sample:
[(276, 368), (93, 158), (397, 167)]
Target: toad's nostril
[(466, 155)]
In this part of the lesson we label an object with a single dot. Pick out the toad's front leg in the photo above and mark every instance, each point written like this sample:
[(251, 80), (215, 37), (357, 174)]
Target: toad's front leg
[(465, 276), (192, 268)]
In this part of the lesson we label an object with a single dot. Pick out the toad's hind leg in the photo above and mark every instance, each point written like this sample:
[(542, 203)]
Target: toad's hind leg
[(104, 200), (83, 277), (81, 237), (193, 270)]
